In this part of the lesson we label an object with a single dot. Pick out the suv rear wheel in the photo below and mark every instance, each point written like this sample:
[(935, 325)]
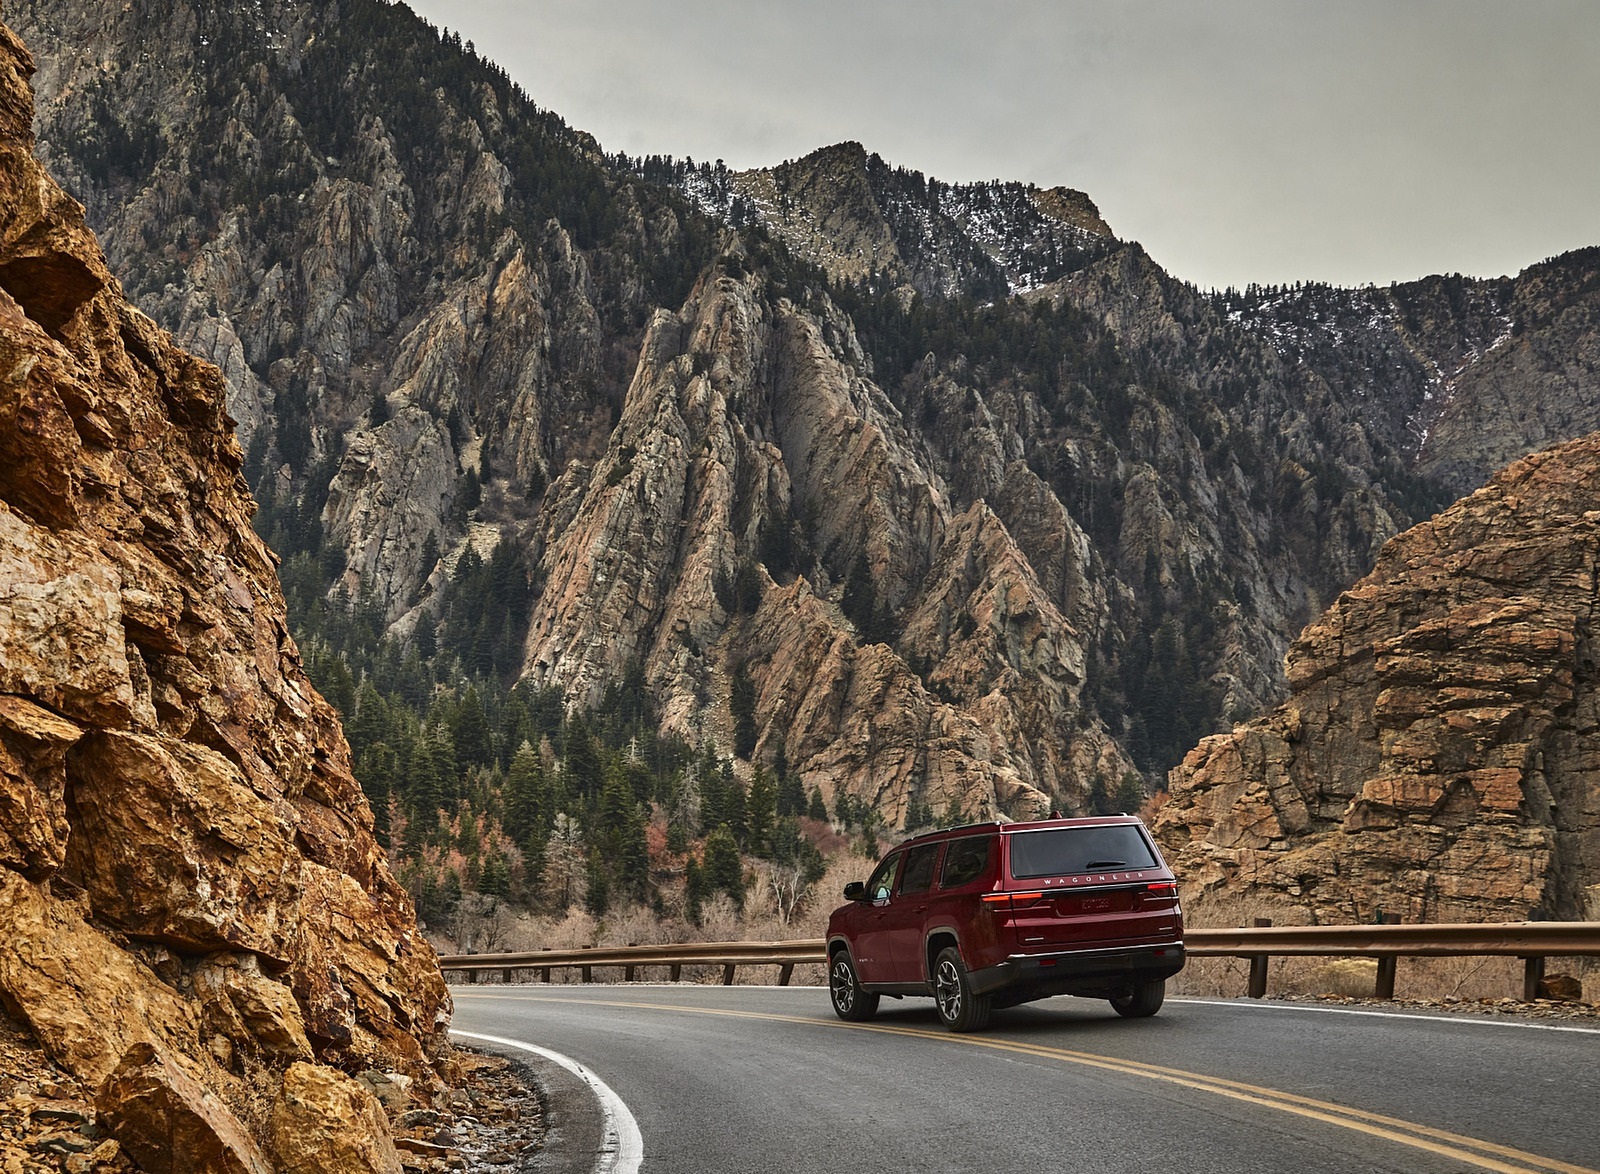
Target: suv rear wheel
[(959, 1008), (1141, 1000), (850, 1002)]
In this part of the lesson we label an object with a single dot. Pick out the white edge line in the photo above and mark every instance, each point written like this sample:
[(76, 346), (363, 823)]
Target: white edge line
[(622, 1151), (1453, 1020)]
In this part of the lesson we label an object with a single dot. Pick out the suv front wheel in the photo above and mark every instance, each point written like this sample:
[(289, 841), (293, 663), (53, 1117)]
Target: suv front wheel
[(850, 1002), (959, 1008), (1141, 1000)]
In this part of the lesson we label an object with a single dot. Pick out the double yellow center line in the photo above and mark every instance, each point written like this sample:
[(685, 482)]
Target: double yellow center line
[(1484, 1155)]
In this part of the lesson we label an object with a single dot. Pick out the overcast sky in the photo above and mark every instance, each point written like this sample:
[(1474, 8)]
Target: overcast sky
[(1238, 141)]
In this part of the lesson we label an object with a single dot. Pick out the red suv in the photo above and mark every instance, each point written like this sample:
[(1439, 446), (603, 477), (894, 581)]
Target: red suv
[(994, 915)]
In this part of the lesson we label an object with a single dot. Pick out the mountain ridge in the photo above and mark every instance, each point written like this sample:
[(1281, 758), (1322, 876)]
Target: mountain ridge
[(473, 323)]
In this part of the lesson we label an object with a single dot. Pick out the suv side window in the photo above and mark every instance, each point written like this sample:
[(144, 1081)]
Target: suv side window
[(882, 882), (918, 876), (965, 860)]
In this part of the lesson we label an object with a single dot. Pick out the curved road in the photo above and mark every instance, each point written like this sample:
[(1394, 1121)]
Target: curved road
[(766, 1078)]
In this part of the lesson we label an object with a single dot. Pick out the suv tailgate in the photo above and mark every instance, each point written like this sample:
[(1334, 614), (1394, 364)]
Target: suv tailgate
[(1088, 887)]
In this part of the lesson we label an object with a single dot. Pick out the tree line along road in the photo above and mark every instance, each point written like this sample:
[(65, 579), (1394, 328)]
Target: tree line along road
[(735, 1079)]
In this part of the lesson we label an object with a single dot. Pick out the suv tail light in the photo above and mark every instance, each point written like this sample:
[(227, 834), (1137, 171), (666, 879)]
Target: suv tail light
[(1160, 893), (1011, 902)]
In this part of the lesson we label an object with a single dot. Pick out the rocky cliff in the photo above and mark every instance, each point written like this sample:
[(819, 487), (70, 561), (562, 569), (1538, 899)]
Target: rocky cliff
[(192, 903), (1003, 499), (1439, 754), (860, 219)]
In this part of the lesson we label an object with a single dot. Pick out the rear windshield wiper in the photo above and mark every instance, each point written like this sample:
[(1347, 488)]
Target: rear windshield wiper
[(1106, 864)]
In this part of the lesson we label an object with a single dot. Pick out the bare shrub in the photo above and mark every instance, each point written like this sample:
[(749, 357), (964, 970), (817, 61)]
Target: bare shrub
[(636, 925), (1354, 978)]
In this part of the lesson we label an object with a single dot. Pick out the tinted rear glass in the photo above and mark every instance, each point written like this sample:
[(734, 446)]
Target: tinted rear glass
[(918, 875), (965, 860), (1069, 851)]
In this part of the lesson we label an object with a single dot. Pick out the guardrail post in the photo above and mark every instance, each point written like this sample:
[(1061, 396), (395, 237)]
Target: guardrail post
[(1532, 973), (784, 972), (627, 974), (727, 974), (544, 974), (505, 976), (1258, 968), (587, 972), (677, 971), (1384, 987)]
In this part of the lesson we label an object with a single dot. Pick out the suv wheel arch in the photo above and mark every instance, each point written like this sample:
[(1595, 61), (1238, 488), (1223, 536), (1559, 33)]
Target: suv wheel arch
[(939, 938)]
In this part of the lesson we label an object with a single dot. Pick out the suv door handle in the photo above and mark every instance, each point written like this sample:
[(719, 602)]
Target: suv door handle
[(919, 909)]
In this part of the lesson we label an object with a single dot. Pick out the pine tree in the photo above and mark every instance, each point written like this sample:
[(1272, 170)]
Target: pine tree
[(582, 760), (844, 808), (818, 809), (791, 793), (724, 871), (425, 789), (713, 799), (597, 891), (1099, 798), (1130, 794), (633, 858), (918, 814), (677, 838), (761, 813), (494, 878), (469, 730), (370, 722), (860, 600), (525, 795), (695, 890)]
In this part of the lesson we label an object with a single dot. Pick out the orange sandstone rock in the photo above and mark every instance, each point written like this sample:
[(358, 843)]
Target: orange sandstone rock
[(1436, 758)]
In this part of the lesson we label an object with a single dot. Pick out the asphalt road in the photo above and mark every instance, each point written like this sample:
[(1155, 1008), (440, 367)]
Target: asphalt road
[(767, 1079)]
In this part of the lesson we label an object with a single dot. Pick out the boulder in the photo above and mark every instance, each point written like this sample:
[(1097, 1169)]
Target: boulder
[(170, 1123), (326, 1123)]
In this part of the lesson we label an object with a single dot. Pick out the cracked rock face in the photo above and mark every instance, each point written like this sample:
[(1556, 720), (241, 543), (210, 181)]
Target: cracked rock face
[(739, 416), (188, 876), (1439, 755)]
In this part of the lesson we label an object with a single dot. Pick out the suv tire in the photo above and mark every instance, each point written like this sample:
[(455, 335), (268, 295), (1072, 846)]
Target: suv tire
[(1141, 1000), (850, 1002), (959, 1008)]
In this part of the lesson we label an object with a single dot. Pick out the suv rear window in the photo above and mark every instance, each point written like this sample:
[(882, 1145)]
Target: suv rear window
[(1067, 851), (965, 860)]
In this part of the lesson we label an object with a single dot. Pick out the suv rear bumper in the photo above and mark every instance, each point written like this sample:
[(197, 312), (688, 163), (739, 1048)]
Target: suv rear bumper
[(1090, 972)]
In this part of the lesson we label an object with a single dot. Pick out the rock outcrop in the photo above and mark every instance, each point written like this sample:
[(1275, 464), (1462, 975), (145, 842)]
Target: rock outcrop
[(741, 418), (190, 889), (1439, 754)]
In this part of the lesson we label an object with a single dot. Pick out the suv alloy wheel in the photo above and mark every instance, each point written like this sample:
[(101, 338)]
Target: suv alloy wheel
[(850, 1002), (959, 1008)]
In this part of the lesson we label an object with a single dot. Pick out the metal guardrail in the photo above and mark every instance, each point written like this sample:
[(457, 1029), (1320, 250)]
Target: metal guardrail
[(1532, 941), (674, 957)]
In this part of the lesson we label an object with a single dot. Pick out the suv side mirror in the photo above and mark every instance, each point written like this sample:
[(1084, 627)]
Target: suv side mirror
[(855, 891)]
